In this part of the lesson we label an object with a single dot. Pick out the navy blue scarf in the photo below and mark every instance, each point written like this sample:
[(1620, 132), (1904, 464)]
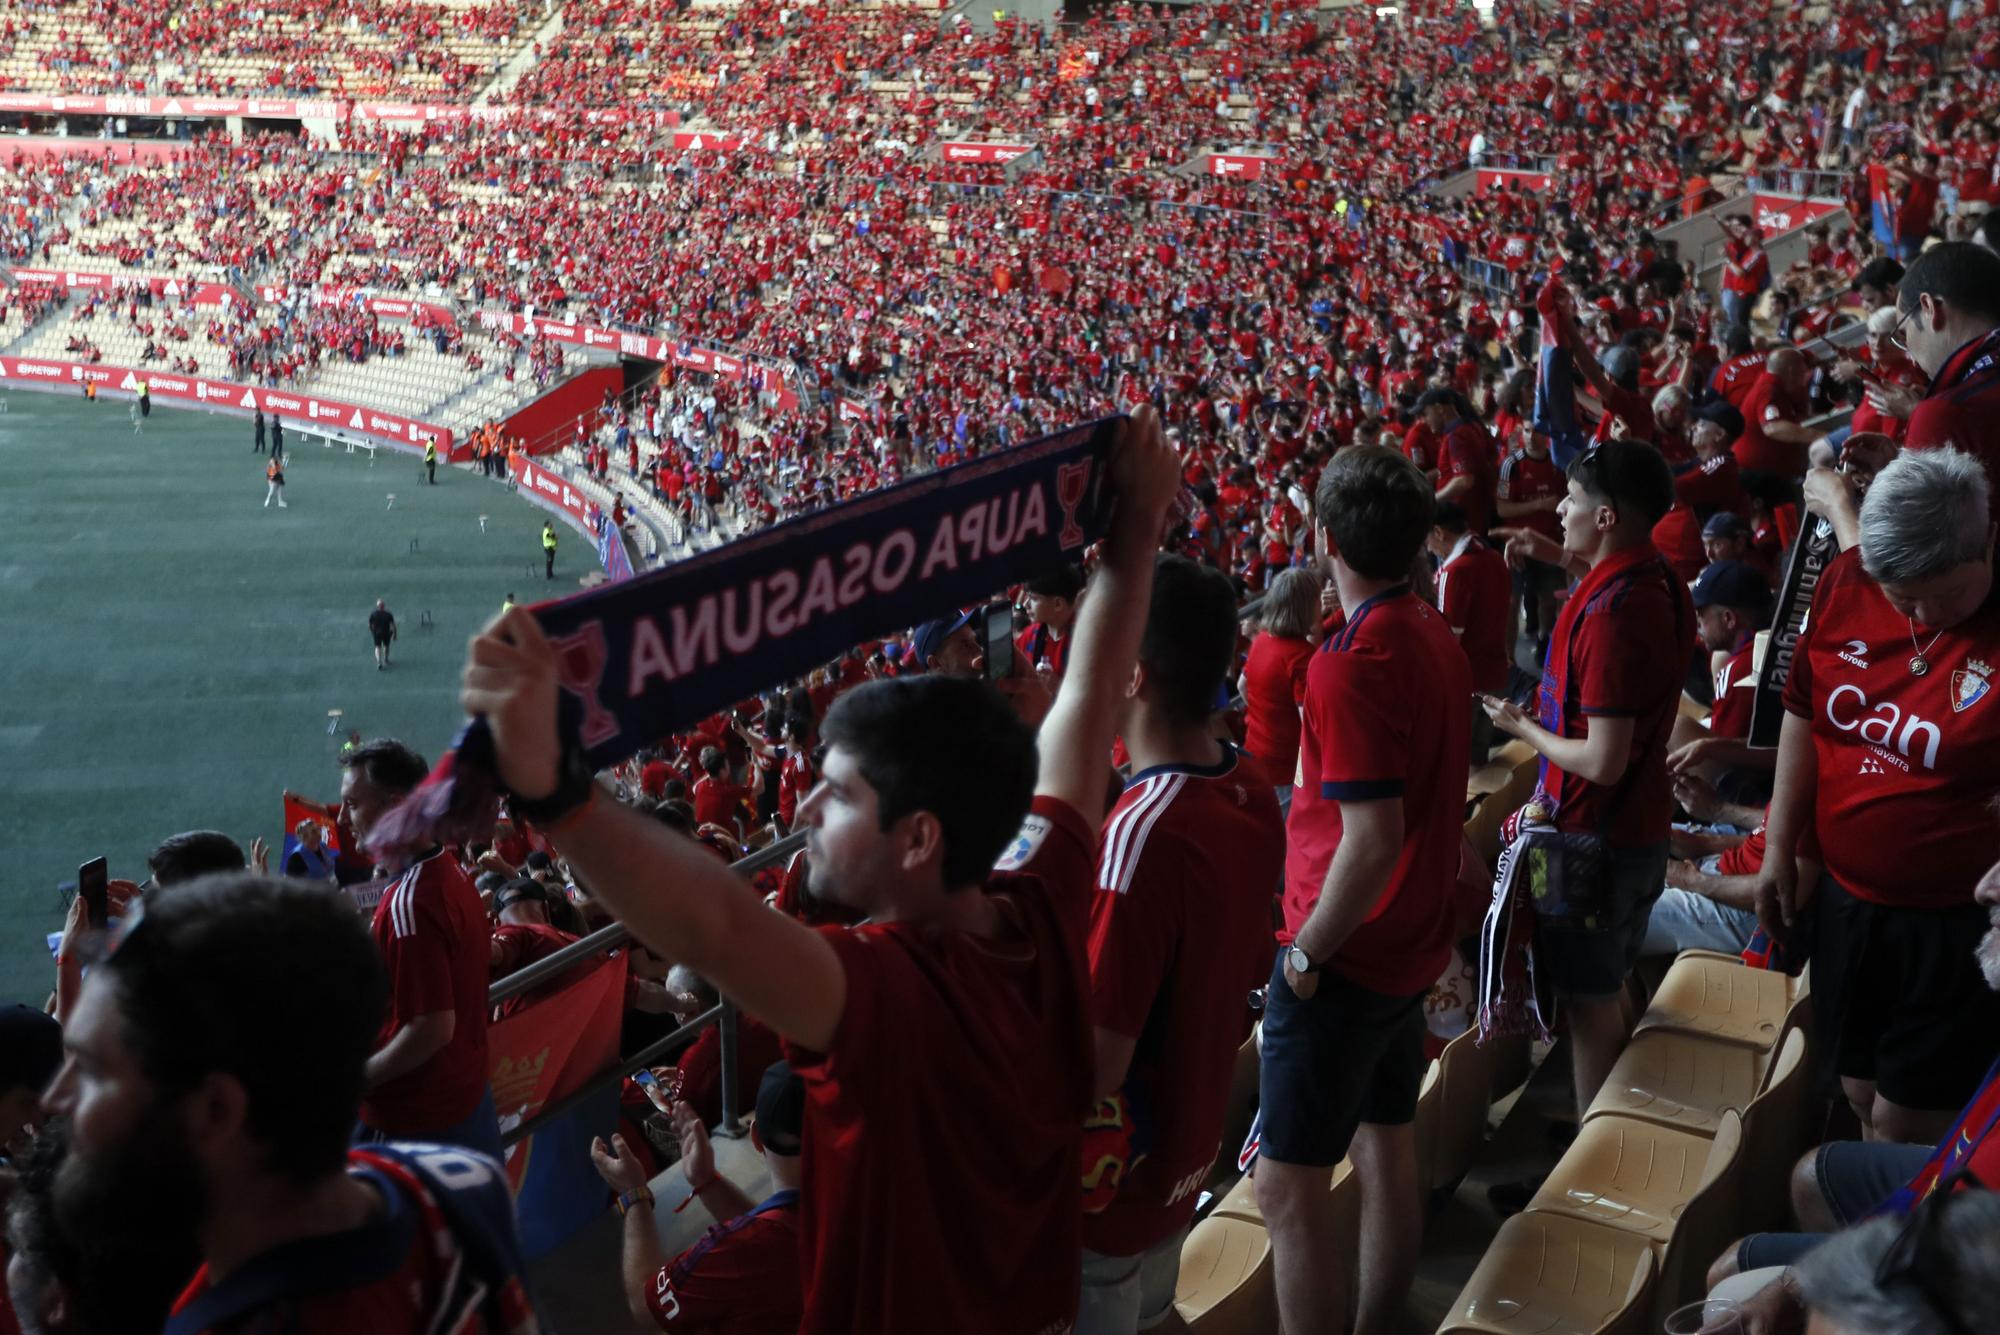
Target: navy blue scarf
[(646, 657)]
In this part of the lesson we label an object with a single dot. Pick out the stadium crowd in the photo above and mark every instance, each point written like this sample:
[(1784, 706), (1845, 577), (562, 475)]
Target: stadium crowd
[(1547, 495)]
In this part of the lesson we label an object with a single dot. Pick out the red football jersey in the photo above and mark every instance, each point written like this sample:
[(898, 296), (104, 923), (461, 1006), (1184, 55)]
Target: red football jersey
[(945, 1118), (1467, 452), (1180, 931), (718, 802), (1476, 595), (1756, 452), (441, 1256), (1962, 408), (1274, 681), (741, 1278), (433, 936), (1906, 763), (1387, 715), (1735, 695), (1523, 477), (1629, 625)]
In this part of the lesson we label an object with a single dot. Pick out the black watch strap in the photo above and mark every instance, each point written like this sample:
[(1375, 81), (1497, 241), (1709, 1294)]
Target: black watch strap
[(574, 782)]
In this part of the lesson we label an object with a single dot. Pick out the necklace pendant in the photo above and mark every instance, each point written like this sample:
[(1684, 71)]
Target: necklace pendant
[(1918, 667)]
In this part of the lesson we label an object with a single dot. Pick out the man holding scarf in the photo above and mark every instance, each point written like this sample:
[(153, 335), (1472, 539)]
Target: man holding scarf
[(1609, 696), (962, 1001)]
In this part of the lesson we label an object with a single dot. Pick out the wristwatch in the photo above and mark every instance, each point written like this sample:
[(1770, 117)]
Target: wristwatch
[(1301, 962)]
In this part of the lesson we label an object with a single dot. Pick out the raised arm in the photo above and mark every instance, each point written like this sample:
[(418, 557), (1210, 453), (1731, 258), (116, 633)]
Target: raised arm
[(1075, 739), (669, 891)]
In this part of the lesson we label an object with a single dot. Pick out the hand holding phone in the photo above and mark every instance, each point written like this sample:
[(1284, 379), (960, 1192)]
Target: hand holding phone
[(998, 641), (93, 887)]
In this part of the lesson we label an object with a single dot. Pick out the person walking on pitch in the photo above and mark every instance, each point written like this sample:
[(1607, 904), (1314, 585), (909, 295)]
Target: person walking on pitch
[(274, 480), (548, 549), (382, 629)]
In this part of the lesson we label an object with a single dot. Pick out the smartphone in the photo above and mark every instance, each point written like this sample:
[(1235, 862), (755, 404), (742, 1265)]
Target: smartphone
[(93, 883), (645, 1078), (998, 638)]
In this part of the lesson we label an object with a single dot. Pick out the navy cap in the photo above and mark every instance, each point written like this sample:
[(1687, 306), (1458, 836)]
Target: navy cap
[(1723, 414), (1731, 584), (781, 1110), (930, 636), (1726, 524)]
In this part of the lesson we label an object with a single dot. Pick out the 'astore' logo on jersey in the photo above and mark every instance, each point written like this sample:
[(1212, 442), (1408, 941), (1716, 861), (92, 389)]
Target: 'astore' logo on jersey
[(1883, 724)]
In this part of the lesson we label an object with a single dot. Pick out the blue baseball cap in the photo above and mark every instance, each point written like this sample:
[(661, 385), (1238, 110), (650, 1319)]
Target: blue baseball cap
[(930, 636), (1731, 584)]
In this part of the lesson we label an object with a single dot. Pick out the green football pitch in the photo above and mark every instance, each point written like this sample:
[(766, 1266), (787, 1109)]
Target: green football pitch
[(172, 647)]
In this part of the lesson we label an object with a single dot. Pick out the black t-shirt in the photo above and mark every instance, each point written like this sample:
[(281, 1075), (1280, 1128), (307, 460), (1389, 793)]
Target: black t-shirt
[(381, 624)]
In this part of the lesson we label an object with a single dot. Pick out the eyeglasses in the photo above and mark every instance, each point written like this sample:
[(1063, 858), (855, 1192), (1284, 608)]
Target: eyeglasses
[(1913, 1259), (1896, 331)]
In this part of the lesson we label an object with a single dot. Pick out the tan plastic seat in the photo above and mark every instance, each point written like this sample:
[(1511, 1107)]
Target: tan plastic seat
[(1483, 826), (1721, 999), (1680, 1080), (1465, 1097), (1225, 1284), (1637, 1177), (1549, 1274), (1240, 1201)]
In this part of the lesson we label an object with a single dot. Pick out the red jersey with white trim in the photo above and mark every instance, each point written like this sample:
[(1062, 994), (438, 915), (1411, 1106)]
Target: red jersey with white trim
[(740, 1278), (1387, 715), (1476, 595), (1907, 764), (1735, 695), (1180, 931), (1736, 377), (796, 778), (433, 936), (440, 1258), (945, 1118)]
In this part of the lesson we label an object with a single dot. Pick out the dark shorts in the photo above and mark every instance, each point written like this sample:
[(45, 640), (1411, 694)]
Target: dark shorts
[(382, 641), (1593, 961), (1898, 998), (1854, 1177), (1347, 1056)]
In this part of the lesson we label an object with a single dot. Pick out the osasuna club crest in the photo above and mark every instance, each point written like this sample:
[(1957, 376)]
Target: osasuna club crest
[(1969, 685)]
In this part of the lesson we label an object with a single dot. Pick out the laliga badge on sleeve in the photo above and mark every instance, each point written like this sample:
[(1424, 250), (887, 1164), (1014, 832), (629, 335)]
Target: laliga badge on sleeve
[(1026, 844)]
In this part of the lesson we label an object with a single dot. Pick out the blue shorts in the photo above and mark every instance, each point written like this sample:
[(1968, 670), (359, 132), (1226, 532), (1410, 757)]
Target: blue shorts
[(1854, 1177), (1346, 1056)]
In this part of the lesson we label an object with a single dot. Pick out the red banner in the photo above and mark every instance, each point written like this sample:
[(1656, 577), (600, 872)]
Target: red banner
[(205, 294), (1783, 213), (1495, 178), (542, 485), (646, 347), (1243, 166), (713, 141), (172, 108), (394, 308), (970, 152), (311, 409), (299, 809), (551, 1047)]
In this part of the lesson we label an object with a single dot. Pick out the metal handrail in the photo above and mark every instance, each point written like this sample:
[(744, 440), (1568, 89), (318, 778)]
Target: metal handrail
[(615, 934)]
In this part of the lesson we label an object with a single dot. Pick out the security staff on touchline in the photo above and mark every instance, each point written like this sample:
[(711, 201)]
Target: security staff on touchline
[(549, 549)]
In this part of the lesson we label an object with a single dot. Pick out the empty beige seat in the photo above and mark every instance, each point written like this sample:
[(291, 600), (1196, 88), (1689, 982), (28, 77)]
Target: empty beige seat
[(1549, 1274), (1634, 1176), (1225, 1284), (1721, 999), (1680, 1080)]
